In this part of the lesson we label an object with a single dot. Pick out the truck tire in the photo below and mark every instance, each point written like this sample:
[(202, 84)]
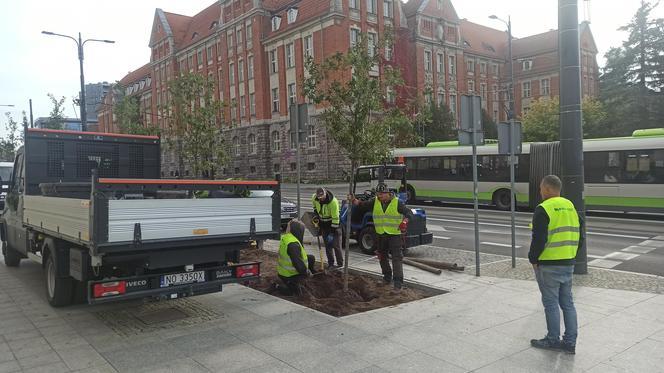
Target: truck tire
[(367, 240), (58, 289), (412, 197), (12, 258)]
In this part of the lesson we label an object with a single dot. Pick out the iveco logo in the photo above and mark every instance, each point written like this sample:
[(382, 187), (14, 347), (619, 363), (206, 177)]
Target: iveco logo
[(137, 283)]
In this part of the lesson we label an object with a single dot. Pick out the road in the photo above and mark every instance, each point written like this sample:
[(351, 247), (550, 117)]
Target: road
[(613, 241)]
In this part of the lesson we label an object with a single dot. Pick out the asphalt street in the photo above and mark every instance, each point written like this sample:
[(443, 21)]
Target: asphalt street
[(634, 244)]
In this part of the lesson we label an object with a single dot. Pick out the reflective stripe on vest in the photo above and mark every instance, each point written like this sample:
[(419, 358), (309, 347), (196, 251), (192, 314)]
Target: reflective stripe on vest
[(328, 212), (284, 264), (564, 229), (387, 222)]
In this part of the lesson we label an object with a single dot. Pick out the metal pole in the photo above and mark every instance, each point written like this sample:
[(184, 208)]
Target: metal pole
[(82, 97), (571, 125), (475, 205), (297, 157), (32, 124), (512, 143)]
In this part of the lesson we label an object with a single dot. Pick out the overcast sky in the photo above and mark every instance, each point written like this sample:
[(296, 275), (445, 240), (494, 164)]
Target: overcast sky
[(33, 64)]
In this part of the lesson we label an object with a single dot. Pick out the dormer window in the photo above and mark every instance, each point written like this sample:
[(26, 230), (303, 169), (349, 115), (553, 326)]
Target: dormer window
[(292, 15), (213, 25), (526, 65), (466, 44), (276, 23), (194, 35)]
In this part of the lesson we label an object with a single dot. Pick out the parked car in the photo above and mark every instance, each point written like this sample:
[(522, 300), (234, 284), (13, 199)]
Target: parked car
[(288, 207)]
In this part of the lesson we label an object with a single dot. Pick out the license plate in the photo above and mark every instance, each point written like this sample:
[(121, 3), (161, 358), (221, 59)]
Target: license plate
[(182, 278)]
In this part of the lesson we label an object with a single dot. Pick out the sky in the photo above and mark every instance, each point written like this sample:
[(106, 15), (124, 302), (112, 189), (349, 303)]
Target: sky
[(33, 65)]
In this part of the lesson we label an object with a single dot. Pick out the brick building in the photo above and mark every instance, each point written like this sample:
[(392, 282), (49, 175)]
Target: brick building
[(255, 51)]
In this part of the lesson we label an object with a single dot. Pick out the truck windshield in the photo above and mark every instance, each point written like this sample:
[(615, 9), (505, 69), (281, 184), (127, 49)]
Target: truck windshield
[(5, 174)]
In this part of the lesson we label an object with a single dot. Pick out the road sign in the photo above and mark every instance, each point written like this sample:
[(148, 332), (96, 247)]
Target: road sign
[(504, 138), (299, 120), (471, 113)]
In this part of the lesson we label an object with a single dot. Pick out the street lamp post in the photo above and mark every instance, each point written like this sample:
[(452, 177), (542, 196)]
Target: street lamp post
[(80, 43), (510, 92)]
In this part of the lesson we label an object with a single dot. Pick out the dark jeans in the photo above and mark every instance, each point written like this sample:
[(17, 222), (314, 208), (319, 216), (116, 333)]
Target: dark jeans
[(293, 283), (391, 244), (332, 249), (555, 283)]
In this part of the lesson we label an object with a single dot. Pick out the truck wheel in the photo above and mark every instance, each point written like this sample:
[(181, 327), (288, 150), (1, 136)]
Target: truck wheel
[(367, 240), (412, 198), (501, 199), (58, 290), (12, 258)]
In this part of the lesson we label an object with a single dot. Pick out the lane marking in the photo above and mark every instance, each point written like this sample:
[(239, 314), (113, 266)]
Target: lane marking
[(595, 256), (618, 255), (525, 227), (652, 243), (442, 237), (604, 263), (498, 244), (638, 249)]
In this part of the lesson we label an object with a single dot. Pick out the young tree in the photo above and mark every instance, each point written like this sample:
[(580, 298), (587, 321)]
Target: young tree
[(354, 97), (56, 119), (193, 128), (489, 126), (128, 114), (542, 123), (12, 139)]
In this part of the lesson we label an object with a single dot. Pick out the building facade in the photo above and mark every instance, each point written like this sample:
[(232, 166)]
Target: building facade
[(255, 52), (94, 94)]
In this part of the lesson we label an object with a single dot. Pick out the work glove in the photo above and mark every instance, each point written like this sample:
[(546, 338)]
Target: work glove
[(403, 227), (309, 274)]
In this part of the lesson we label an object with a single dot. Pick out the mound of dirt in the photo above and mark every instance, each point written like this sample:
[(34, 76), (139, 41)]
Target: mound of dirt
[(324, 291)]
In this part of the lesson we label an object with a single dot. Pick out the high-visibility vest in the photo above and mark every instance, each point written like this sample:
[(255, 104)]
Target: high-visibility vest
[(328, 212), (285, 266), (564, 229), (387, 222)]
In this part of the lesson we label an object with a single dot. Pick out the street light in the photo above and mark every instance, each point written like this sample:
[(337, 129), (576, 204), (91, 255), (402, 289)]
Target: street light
[(80, 45), (510, 93)]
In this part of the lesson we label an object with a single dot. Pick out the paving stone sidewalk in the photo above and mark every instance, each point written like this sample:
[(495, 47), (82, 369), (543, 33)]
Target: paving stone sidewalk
[(483, 325)]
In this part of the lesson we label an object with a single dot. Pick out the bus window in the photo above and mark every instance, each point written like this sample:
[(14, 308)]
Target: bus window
[(639, 167)]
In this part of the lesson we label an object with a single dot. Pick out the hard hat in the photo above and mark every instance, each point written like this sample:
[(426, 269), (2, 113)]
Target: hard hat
[(382, 188)]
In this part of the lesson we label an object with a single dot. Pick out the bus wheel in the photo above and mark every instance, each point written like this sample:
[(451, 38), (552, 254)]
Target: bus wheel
[(501, 199), (412, 198)]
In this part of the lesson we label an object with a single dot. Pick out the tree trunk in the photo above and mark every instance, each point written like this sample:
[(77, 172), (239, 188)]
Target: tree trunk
[(349, 210)]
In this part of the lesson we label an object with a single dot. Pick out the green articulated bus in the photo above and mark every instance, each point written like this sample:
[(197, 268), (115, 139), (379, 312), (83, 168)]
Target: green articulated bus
[(621, 174)]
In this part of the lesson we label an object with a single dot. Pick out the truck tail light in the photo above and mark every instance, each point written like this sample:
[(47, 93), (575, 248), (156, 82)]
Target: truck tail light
[(248, 270), (107, 289)]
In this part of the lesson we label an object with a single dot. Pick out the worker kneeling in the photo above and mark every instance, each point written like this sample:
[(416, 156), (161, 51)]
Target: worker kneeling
[(293, 265)]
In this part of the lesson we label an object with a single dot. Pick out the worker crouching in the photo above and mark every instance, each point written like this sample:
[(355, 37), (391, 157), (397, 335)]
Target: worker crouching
[(294, 264)]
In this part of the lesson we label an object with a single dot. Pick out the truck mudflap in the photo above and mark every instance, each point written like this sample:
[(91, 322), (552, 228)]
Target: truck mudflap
[(171, 285), (419, 239)]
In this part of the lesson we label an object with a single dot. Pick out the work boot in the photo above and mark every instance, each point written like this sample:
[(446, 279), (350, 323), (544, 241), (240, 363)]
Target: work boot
[(568, 348), (387, 279), (398, 283), (546, 344)]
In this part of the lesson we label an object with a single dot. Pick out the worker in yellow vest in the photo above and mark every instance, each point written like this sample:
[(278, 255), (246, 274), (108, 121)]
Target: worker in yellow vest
[(326, 207), (556, 237), (294, 264), (390, 217)]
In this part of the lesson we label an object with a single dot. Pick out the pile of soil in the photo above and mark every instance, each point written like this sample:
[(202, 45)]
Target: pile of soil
[(324, 291)]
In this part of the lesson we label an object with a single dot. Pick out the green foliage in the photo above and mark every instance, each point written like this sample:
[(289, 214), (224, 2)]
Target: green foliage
[(632, 80), (193, 129), (489, 126), (542, 122), (56, 118), (12, 139), (128, 114)]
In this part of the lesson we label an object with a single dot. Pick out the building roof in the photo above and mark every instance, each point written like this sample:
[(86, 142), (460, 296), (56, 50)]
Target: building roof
[(482, 40), (143, 73), (201, 25), (178, 24), (448, 11)]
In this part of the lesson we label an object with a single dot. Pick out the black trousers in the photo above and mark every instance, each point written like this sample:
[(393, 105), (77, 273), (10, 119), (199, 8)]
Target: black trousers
[(392, 244), (293, 283)]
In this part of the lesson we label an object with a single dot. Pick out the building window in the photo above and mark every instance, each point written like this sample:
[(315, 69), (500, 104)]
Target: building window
[(494, 69), (471, 86), (453, 104), (290, 55), (311, 166), (440, 99), (240, 71), (387, 8), (525, 89), (199, 57), (525, 111), (250, 35), (427, 60), (292, 15), (470, 66), (277, 167), (292, 139), (243, 107), (495, 115), (276, 22), (441, 63), (252, 143), (252, 169), (236, 145), (388, 52), (483, 92), (291, 94), (308, 46), (229, 39), (238, 37), (482, 68), (372, 40), (494, 90), (526, 65), (236, 171), (545, 87), (209, 55), (233, 109), (275, 100), (250, 67), (231, 74), (252, 104), (354, 36), (311, 137), (293, 166), (389, 95), (428, 98), (451, 63), (273, 61), (276, 141), (354, 4), (371, 7)]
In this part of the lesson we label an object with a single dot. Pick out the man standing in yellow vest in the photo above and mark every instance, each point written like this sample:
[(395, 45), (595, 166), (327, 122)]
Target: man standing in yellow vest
[(326, 206), (556, 238), (390, 216), (294, 264)]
